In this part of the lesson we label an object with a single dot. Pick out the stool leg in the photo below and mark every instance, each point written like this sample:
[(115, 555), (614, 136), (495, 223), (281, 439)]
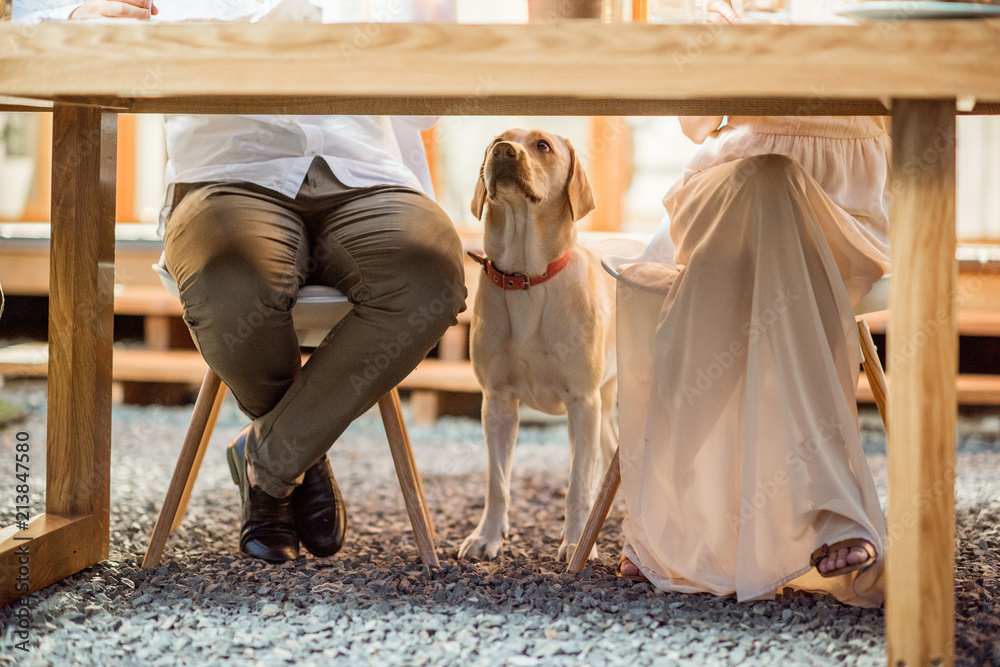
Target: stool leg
[(409, 479), (874, 372), (404, 437), (195, 439), (213, 416), (598, 513)]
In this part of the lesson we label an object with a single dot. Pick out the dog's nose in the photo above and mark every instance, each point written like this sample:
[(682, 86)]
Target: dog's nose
[(504, 150)]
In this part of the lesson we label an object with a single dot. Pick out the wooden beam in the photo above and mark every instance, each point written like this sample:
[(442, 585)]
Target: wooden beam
[(81, 286), (9, 103), (589, 60), (57, 547), (491, 105), (434, 163), (970, 389), (40, 204), (609, 170), (125, 186), (923, 361), (640, 11), (188, 367), (970, 322)]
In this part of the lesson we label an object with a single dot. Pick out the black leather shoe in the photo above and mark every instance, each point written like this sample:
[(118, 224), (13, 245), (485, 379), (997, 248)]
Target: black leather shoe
[(320, 514), (268, 530)]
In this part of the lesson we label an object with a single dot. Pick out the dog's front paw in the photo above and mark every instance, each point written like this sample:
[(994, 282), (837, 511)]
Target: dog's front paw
[(479, 545), (566, 551)]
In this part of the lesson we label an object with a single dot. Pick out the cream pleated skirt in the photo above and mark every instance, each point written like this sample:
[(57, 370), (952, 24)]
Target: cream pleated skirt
[(739, 356)]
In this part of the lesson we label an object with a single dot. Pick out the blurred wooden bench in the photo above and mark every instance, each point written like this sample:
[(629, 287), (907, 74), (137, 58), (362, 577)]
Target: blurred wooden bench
[(167, 356)]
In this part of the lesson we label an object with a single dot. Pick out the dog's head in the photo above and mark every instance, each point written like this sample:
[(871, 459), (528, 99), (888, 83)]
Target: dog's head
[(536, 166)]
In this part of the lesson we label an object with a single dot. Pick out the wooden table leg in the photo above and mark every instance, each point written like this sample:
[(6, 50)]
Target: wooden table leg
[(74, 531), (923, 360)]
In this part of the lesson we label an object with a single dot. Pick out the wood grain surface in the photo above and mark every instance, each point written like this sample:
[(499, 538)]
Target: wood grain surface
[(81, 282), (923, 361), (529, 63), (59, 546), (74, 531)]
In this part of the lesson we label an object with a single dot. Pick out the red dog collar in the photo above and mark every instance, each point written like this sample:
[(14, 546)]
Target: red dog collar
[(519, 281)]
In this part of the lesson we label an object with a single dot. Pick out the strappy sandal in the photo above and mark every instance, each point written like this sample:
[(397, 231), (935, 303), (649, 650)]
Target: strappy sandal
[(825, 550), (638, 578)]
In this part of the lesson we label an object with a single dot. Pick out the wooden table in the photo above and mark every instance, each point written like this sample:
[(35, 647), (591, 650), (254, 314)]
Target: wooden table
[(92, 72)]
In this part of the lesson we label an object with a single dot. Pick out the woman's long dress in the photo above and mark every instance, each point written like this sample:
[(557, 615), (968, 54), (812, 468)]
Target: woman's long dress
[(739, 357)]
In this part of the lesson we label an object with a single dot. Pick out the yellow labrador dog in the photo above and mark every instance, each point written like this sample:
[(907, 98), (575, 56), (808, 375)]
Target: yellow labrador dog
[(543, 325)]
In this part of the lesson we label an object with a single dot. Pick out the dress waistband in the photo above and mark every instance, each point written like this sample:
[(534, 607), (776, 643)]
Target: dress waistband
[(826, 127)]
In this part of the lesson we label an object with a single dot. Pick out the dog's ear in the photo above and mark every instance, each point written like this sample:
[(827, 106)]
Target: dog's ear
[(479, 197), (578, 190)]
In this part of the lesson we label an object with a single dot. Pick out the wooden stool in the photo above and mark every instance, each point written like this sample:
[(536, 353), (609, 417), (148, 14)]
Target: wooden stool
[(316, 311), (876, 299)]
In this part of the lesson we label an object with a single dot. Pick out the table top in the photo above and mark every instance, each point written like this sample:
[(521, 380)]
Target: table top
[(573, 67)]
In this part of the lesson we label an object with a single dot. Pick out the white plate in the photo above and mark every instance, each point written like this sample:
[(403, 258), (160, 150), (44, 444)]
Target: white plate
[(896, 10)]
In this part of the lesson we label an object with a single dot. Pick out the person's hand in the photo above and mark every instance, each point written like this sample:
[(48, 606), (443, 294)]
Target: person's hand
[(116, 9), (721, 11)]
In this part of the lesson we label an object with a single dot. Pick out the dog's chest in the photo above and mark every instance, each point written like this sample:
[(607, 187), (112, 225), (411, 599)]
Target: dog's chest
[(525, 334), (538, 373), (534, 347)]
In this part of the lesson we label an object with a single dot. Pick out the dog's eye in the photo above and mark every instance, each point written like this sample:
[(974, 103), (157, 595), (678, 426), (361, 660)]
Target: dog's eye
[(543, 146)]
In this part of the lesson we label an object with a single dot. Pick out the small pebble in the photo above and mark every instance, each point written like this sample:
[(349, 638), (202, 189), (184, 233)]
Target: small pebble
[(375, 603)]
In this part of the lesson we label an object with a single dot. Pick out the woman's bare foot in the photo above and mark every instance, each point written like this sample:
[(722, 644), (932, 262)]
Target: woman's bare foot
[(628, 570), (847, 558)]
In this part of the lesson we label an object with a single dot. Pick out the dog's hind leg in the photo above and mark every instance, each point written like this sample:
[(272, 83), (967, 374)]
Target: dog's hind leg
[(584, 451), (500, 420)]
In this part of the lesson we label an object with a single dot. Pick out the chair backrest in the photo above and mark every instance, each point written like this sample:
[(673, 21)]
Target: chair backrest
[(877, 298), (316, 311)]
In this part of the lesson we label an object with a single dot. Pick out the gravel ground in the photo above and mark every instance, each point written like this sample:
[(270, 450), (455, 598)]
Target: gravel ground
[(374, 604)]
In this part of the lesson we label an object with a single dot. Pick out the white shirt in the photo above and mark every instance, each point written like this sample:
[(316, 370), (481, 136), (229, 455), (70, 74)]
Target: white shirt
[(273, 151)]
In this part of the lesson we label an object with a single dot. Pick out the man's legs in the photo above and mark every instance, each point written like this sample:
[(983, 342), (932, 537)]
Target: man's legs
[(397, 257), (239, 254)]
